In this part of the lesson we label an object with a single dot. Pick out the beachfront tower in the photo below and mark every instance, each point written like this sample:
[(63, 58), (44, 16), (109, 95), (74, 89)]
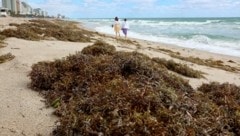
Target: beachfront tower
[(12, 5), (18, 5), (26, 9)]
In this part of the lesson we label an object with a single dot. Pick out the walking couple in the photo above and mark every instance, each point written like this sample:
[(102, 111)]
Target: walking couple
[(117, 27)]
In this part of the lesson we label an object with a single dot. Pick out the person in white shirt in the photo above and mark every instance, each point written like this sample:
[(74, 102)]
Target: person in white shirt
[(125, 27), (117, 27)]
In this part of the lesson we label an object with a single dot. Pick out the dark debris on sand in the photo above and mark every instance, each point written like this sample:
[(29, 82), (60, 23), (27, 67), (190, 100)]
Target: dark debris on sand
[(127, 93)]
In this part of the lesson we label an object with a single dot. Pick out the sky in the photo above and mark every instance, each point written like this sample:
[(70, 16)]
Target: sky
[(139, 8)]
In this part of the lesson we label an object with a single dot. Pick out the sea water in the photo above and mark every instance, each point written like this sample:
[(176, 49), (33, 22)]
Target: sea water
[(218, 35)]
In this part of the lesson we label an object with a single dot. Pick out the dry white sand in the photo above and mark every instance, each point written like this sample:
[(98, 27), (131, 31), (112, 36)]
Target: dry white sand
[(23, 111)]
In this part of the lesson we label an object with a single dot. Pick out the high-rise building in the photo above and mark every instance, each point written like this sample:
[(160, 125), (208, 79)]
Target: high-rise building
[(11, 5), (26, 9), (6, 4), (18, 5)]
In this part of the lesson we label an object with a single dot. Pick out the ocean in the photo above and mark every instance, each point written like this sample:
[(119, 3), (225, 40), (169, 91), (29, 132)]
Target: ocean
[(217, 35)]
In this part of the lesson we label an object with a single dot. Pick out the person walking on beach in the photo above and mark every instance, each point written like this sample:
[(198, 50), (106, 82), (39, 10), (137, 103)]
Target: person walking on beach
[(125, 27), (117, 27)]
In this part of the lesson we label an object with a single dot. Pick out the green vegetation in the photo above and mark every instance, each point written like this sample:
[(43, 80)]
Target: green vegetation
[(127, 93), (182, 69)]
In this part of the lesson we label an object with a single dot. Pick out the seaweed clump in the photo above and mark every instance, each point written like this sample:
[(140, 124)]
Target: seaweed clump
[(179, 68), (122, 93), (21, 33), (6, 57), (99, 48), (207, 62), (42, 29), (227, 97)]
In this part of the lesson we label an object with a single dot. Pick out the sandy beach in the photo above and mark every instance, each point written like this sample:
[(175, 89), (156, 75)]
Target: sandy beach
[(23, 111)]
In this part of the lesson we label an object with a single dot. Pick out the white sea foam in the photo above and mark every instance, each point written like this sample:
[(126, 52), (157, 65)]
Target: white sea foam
[(213, 21), (237, 23), (171, 23)]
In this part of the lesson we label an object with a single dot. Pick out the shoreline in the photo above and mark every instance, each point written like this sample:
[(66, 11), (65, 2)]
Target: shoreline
[(186, 51), (21, 105)]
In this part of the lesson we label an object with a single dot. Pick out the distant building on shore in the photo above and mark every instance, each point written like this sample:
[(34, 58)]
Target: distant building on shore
[(21, 8), (7, 4), (18, 5), (12, 5), (26, 9)]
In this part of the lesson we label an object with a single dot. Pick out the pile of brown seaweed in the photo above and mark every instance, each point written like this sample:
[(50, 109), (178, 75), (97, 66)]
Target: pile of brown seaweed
[(182, 69), (42, 29), (126, 93), (99, 48)]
